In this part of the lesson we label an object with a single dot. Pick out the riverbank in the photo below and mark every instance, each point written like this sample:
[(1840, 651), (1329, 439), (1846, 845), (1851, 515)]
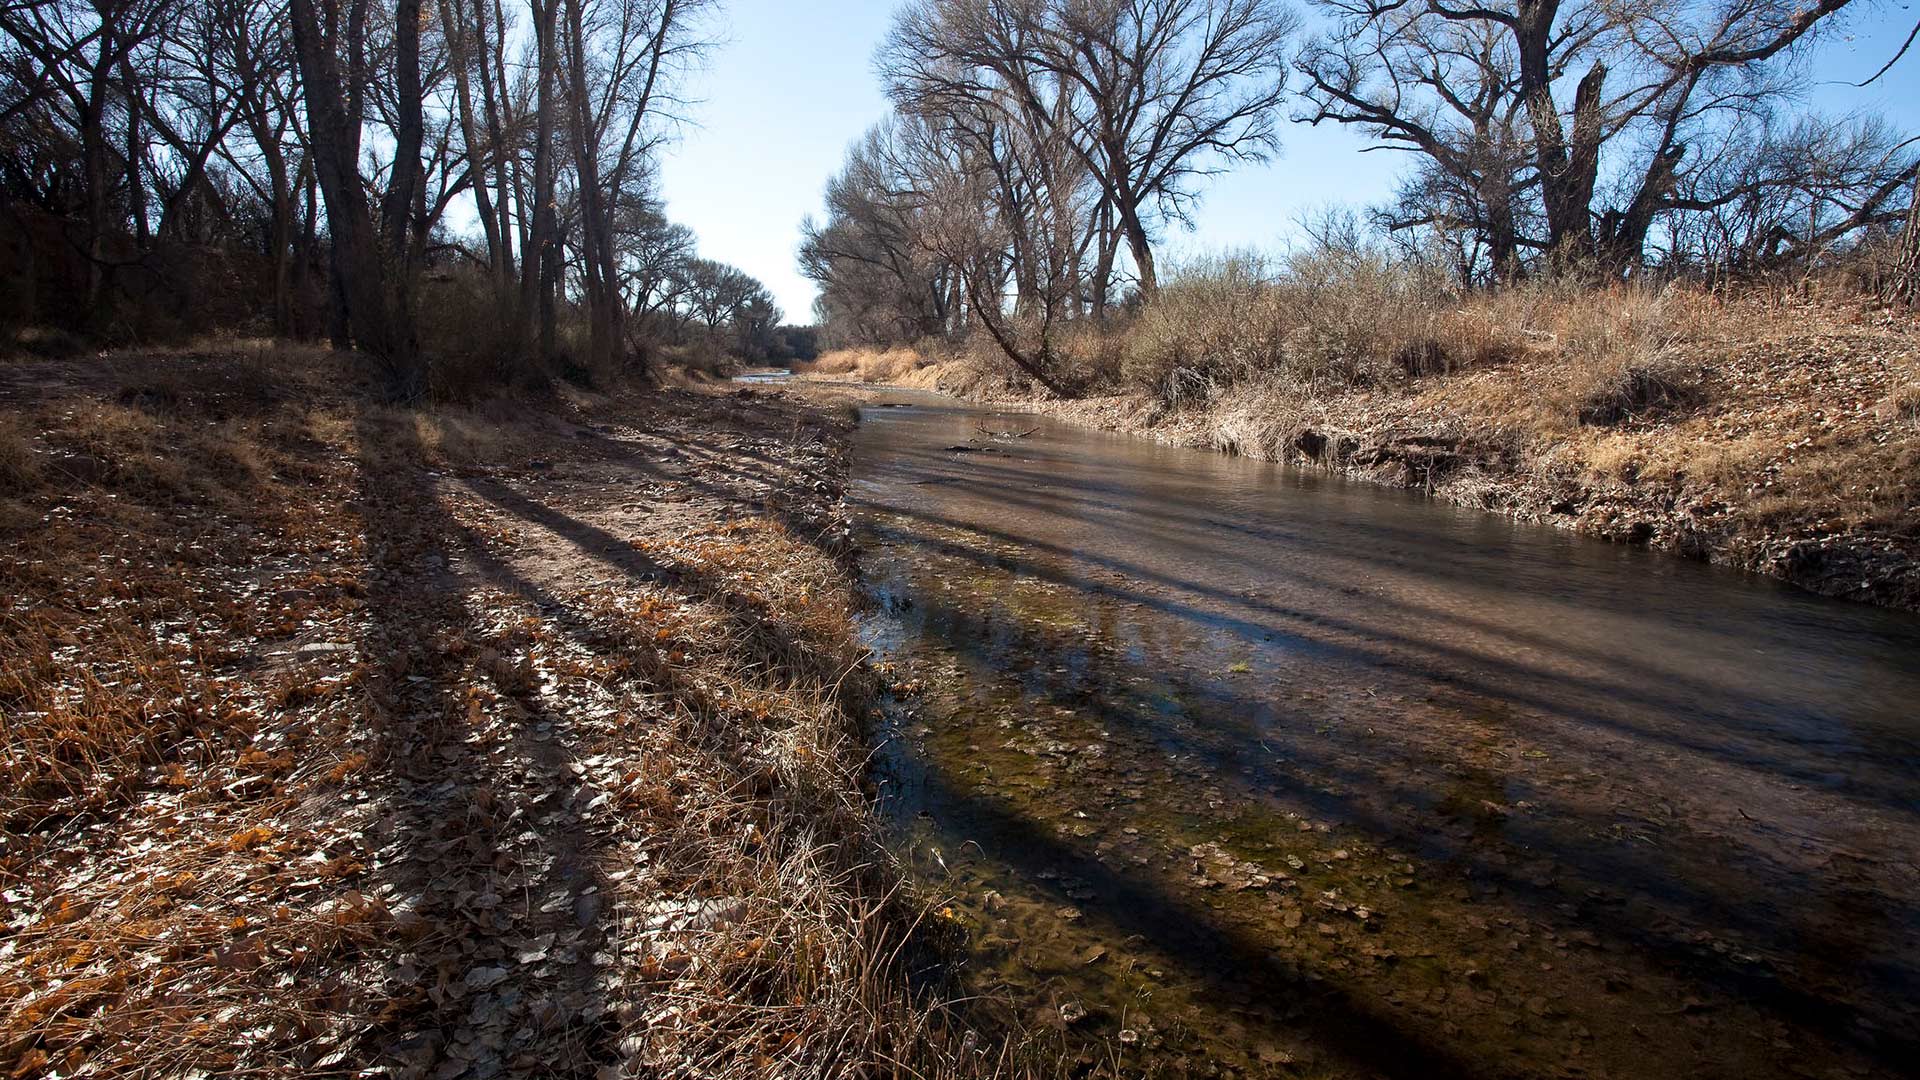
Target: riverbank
[(1779, 438), (517, 739)]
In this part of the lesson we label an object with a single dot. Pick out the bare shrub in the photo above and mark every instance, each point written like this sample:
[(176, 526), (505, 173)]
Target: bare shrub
[(1213, 322), (1329, 318), (1614, 328), (1094, 353)]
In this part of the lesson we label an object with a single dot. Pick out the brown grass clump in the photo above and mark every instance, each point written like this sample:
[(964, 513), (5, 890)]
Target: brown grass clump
[(1903, 405), (864, 365)]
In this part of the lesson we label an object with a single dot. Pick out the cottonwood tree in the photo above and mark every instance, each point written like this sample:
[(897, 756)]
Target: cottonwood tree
[(1616, 111), (996, 202), (371, 258), (879, 282), (1150, 95), (622, 60), (70, 63)]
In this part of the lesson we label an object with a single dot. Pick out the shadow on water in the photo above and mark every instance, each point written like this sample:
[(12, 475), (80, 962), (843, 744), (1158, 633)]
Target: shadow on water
[(1512, 803)]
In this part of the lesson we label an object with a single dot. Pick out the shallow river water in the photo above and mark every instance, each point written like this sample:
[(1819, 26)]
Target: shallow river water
[(1234, 770)]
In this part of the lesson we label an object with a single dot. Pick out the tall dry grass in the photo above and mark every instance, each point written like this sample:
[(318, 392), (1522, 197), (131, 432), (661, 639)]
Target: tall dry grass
[(867, 365), (1326, 321)]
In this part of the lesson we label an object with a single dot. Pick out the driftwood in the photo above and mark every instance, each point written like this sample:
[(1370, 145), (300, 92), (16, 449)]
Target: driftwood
[(985, 430)]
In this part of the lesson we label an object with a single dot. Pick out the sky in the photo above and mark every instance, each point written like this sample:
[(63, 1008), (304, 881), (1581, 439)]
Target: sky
[(791, 85)]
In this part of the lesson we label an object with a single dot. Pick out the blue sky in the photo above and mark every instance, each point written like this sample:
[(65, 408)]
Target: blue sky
[(792, 84)]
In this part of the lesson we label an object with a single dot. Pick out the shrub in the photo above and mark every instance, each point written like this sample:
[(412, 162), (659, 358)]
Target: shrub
[(1331, 318), (1637, 391), (1213, 322), (467, 336)]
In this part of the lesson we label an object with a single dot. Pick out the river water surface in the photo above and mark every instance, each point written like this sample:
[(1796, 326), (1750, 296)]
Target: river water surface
[(1234, 770)]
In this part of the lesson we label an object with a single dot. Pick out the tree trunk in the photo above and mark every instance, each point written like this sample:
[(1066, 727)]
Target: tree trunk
[(1107, 241), (303, 254), (281, 239), (93, 156), (1141, 247), (1567, 171), (359, 272), (537, 254), (404, 186), (453, 17), (1904, 286), (136, 187), (596, 225)]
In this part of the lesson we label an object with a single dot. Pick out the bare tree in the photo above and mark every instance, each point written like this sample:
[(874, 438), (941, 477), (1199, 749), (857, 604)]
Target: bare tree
[(81, 49), (1652, 84), (622, 57), (1175, 91), (370, 260), (879, 282), (1150, 95)]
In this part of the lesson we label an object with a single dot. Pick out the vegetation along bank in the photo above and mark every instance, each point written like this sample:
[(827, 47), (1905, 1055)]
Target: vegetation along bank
[(1773, 434)]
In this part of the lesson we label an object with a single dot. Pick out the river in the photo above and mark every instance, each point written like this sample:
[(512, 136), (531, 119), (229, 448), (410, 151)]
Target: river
[(1236, 770)]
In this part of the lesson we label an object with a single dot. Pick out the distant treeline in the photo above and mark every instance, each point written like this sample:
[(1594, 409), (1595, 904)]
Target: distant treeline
[(461, 189)]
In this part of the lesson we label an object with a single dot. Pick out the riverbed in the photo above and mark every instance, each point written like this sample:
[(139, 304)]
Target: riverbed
[(1230, 769)]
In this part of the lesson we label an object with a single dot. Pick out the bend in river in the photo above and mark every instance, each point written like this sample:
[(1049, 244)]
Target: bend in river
[(1237, 770)]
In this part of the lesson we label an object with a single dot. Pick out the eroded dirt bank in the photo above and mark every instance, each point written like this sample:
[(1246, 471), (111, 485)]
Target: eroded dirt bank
[(342, 740), (1794, 450)]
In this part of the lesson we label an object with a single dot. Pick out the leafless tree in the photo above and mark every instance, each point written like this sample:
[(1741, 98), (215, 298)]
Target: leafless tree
[(79, 52), (622, 59), (1150, 95), (1656, 88), (369, 256), (878, 281)]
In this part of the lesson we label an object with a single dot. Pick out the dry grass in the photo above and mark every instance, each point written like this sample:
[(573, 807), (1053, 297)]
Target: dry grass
[(20, 465), (1903, 405), (865, 365), (228, 852)]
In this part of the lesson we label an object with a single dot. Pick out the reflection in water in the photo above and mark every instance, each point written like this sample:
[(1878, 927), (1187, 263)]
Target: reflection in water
[(1237, 769)]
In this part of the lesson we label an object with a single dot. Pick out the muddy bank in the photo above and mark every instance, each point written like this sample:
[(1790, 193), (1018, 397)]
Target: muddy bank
[(1794, 453), (523, 739)]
